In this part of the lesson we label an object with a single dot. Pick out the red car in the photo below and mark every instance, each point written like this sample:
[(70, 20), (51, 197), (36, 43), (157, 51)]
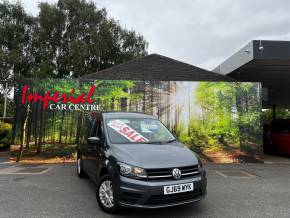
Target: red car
[(278, 137)]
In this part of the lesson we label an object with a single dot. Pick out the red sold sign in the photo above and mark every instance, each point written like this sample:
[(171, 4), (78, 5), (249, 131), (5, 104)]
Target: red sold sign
[(127, 131)]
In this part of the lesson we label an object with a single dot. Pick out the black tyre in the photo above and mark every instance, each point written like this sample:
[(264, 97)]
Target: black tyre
[(80, 171), (105, 195)]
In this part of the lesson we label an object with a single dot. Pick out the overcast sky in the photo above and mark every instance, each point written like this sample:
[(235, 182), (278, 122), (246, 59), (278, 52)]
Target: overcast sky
[(200, 32)]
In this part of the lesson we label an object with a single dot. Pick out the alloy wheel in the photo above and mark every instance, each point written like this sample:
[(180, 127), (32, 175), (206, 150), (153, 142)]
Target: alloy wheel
[(106, 194)]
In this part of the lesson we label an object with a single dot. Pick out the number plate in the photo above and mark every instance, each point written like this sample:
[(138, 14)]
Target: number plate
[(173, 189)]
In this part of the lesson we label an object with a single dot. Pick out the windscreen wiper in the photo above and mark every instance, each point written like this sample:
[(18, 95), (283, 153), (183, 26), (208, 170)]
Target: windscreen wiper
[(153, 142), (172, 140), (160, 142)]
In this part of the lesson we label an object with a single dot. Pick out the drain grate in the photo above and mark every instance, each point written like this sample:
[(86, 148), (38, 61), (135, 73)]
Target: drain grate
[(31, 170), (235, 174)]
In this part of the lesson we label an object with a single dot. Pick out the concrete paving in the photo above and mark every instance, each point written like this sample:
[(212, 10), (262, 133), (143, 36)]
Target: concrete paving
[(273, 159), (60, 193), (24, 169)]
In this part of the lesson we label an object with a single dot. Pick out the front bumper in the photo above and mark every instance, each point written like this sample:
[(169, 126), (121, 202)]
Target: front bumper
[(150, 194)]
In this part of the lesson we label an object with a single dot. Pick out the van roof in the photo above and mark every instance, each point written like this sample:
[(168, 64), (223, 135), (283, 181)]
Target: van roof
[(114, 114)]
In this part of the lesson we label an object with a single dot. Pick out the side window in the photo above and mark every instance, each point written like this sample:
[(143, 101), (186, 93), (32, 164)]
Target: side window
[(84, 130), (92, 128), (99, 130), (96, 129)]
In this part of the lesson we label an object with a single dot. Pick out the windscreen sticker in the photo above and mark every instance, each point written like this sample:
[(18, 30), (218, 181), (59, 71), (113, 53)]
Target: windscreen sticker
[(126, 131), (148, 127)]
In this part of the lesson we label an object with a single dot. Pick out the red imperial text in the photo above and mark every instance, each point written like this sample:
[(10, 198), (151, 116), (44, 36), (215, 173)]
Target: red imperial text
[(57, 97)]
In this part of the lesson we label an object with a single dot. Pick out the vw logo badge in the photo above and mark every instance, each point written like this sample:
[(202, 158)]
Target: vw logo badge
[(176, 173)]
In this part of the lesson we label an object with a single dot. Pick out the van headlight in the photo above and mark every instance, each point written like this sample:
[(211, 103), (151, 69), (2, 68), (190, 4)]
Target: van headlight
[(131, 171)]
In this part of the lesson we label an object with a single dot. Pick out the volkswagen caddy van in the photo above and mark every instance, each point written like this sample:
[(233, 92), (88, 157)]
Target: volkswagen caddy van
[(136, 162)]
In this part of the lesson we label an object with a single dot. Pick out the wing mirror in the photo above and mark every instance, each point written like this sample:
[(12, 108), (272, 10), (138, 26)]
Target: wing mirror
[(93, 140)]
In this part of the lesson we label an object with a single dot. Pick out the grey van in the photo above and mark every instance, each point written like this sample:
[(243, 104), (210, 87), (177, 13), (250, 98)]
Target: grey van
[(136, 162)]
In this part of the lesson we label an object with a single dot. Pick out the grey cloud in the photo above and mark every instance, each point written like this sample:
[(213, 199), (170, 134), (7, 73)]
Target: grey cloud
[(200, 32)]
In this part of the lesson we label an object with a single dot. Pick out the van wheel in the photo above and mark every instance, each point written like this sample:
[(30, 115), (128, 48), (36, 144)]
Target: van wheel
[(105, 195), (80, 171)]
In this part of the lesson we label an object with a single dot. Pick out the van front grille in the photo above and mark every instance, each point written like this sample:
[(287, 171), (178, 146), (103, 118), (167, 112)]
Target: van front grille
[(166, 173)]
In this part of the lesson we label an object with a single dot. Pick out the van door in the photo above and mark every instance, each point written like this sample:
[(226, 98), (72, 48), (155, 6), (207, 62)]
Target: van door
[(95, 151), (84, 133)]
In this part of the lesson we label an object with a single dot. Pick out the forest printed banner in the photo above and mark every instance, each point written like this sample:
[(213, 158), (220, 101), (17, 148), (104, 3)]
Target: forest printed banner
[(218, 120)]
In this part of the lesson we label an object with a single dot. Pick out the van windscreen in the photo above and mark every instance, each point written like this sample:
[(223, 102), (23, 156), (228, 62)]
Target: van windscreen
[(137, 130)]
